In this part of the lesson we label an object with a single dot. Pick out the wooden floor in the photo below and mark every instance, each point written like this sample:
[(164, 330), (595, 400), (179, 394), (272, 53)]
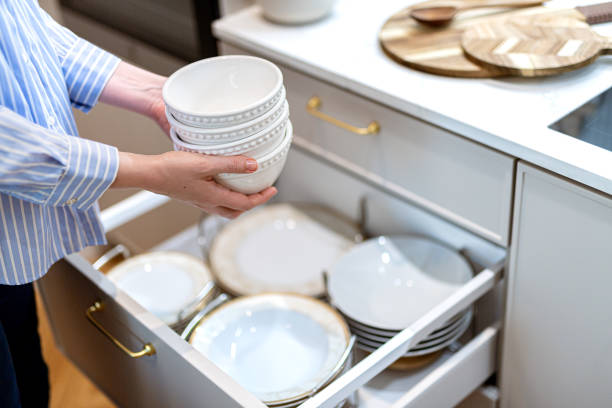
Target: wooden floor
[(69, 388)]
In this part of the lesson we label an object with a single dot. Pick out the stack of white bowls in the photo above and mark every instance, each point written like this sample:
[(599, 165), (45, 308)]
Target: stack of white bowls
[(232, 105)]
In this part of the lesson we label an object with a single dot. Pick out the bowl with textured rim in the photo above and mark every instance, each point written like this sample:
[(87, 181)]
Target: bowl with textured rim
[(270, 168), (213, 136), (255, 146), (223, 91)]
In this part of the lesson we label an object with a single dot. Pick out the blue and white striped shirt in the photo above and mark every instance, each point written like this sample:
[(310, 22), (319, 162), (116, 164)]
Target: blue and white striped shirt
[(50, 178)]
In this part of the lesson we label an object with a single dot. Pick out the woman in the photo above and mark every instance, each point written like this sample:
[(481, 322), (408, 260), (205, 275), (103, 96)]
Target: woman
[(50, 179)]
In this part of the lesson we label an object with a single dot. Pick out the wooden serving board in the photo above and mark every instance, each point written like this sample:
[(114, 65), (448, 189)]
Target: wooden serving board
[(531, 50), (438, 50)]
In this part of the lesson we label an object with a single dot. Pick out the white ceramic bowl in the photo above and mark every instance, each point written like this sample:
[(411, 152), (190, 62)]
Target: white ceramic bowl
[(270, 168), (277, 346), (389, 282), (223, 91), (213, 136), (295, 11), (256, 146)]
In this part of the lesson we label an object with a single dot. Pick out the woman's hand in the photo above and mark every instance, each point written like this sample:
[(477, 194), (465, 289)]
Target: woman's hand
[(189, 177), (184, 176), (137, 90), (157, 112)]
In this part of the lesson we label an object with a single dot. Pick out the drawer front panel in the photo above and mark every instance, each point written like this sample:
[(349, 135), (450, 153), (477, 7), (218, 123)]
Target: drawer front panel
[(465, 182), (172, 377)]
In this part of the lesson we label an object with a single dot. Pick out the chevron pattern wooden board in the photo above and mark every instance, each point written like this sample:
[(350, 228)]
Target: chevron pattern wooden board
[(438, 50), (532, 50)]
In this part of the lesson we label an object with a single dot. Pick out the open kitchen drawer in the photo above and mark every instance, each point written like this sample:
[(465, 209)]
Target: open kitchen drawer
[(176, 375)]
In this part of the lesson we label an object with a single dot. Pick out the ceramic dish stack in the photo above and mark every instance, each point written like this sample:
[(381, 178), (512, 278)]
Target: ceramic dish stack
[(232, 105), (385, 284), (283, 348)]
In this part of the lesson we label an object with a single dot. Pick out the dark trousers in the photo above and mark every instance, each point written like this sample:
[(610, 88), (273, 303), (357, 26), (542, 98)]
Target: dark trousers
[(23, 373)]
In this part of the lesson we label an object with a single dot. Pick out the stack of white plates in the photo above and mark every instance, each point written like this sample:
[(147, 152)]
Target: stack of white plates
[(281, 347), (232, 105), (385, 284)]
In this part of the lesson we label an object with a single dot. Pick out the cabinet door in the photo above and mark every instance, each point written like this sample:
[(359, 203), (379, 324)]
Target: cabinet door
[(558, 330)]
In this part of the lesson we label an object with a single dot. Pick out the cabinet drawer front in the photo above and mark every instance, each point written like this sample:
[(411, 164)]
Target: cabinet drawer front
[(462, 181), (175, 376)]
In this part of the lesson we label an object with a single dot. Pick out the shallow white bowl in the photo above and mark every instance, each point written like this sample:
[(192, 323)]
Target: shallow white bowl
[(277, 346), (214, 136), (256, 146), (270, 168), (389, 282), (295, 11), (223, 91)]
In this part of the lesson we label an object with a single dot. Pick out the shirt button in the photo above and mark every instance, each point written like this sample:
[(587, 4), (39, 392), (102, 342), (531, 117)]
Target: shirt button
[(26, 57), (71, 201), (50, 120)]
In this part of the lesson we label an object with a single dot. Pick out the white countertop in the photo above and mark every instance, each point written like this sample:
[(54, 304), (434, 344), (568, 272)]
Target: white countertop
[(511, 115)]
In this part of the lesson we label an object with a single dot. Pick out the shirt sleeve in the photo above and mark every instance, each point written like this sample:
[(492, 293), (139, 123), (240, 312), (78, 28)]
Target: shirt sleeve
[(86, 67), (51, 169)]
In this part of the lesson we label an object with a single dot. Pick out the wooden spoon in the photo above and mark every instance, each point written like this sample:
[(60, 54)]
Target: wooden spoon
[(444, 13)]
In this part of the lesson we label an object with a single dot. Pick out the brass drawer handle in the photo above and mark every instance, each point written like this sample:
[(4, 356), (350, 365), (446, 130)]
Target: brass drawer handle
[(313, 106), (147, 350)]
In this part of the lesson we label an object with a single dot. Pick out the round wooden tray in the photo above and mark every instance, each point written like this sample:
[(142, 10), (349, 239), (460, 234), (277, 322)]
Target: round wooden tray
[(438, 50)]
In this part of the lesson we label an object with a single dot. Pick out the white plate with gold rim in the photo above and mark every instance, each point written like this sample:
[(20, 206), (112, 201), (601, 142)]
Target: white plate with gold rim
[(277, 346), (166, 283), (390, 282), (280, 248)]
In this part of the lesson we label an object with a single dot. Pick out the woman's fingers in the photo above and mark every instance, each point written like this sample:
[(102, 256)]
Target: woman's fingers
[(242, 202), (229, 164), (254, 200), (226, 212)]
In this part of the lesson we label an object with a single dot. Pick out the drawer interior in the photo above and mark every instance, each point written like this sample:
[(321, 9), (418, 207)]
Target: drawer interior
[(306, 179), (389, 386)]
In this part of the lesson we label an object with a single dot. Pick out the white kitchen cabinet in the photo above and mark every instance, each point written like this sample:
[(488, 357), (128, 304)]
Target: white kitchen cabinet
[(558, 326), (179, 376)]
